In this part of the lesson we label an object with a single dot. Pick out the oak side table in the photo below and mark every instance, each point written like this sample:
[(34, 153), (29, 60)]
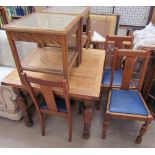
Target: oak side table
[(46, 28)]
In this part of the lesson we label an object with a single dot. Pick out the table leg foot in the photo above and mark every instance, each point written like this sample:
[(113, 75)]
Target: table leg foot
[(87, 122), (24, 108), (86, 131)]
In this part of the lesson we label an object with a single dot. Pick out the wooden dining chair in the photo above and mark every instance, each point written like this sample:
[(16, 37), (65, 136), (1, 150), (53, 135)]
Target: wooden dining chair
[(124, 102), (113, 42), (51, 104)]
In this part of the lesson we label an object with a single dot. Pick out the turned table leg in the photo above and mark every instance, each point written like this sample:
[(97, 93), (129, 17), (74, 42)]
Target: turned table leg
[(87, 119), (23, 107)]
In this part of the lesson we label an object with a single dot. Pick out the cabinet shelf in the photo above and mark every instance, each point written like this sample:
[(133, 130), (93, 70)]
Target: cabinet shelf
[(48, 60)]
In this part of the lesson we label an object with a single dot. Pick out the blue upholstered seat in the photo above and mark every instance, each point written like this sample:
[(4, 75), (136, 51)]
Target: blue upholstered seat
[(60, 102), (117, 77), (128, 102)]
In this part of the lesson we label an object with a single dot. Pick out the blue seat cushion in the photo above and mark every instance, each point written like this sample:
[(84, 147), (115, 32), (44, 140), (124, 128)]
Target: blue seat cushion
[(60, 102), (128, 102), (118, 74)]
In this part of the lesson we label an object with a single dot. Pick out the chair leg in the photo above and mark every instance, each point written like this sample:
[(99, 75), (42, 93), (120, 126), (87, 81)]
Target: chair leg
[(105, 105), (81, 107), (105, 126), (42, 121), (70, 128), (98, 103), (105, 102), (142, 132)]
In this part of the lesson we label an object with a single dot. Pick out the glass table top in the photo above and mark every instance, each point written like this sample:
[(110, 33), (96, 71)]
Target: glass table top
[(66, 9), (43, 21)]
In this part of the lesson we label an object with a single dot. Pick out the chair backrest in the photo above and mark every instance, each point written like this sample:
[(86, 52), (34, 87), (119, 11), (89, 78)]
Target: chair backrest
[(104, 24), (3, 16), (46, 88), (115, 41), (128, 69), (119, 41)]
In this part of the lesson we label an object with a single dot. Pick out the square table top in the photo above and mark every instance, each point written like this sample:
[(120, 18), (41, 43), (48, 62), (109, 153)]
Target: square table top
[(74, 10), (84, 81), (43, 22)]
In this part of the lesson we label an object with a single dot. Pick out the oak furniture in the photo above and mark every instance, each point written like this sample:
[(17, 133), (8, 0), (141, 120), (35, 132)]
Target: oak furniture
[(82, 86), (44, 28), (113, 42), (50, 104), (82, 11), (124, 102)]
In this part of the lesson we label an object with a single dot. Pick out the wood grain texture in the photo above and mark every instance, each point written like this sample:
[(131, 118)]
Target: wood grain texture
[(36, 37), (48, 60), (84, 82), (128, 72), (49, 98), (71, 42)]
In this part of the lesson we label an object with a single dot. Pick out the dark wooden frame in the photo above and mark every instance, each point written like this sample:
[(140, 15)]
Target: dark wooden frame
[(130, 55)]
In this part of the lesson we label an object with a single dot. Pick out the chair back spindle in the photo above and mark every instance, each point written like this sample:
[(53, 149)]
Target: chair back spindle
[(115, 41), (128, 70)]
